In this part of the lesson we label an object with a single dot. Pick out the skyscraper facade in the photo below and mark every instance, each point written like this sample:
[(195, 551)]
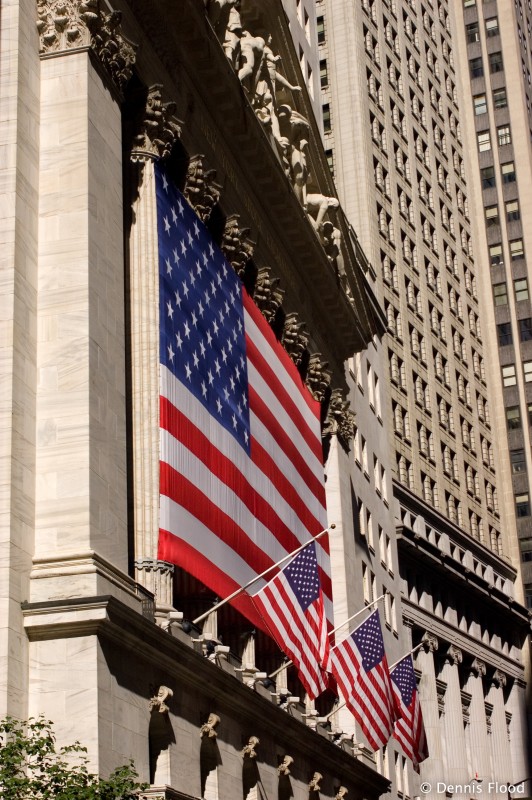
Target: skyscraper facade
[(394, 129)]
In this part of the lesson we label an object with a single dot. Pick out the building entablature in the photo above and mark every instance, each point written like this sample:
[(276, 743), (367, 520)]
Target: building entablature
[(450, 643), (449, 544), (267, 153), (226, 710)]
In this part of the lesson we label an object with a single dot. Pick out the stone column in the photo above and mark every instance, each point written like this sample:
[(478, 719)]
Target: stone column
[(157, 131), (81, 543), (455, 768), (431, 770), (479, 747), (500, 746)]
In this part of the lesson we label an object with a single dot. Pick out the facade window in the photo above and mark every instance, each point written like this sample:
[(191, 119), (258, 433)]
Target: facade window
[(522, 505), (469, 3), (512, 211), (330, 160), (476, 68), (500, 295), (508, 172), (517, 460), (324, 75), (525, 329), (480, 105), (516, 249), (499, 98), (491, 213), (504, 334), (472, 33), (527, 370), (513, 417), (492, 26), (521, 289), (509, 377), (320, 28), (504, 135), (495, 252), (487, 177), (326, 112), (495, 62), (484, 141)]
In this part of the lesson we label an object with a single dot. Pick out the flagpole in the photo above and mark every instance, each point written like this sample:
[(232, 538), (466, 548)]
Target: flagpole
[(262, 574), (410, 652), (341, 625), (329, 715)]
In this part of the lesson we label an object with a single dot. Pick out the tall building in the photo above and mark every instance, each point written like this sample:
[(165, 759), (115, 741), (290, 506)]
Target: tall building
[(395, 123)]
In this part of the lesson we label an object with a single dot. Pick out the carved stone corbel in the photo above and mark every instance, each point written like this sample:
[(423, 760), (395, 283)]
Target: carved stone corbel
[(74, 25), (340, 419), (341, 793), (284, 766), (295, 337), (478, 668), (201, 189), (454, 655), (158, 700), (237, 247), (499, 678), (430, 642), (319, 376), (158, 128), (249, 750), (207, 730), (315, 782), (268, 295)]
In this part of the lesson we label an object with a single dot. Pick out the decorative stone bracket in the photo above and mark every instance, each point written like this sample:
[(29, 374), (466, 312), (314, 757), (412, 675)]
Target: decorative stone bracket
[(249, 750), (158, 700)]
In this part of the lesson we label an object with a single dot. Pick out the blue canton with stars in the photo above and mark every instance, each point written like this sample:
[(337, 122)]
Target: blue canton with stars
[(404, 677), (202, 339), (369, 641), (302, 575)]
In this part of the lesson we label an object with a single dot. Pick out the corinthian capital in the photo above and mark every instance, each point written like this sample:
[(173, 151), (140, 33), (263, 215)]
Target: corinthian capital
[(73, 25), (157, 128)]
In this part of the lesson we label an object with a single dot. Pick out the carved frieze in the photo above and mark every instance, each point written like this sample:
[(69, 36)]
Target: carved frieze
[(73, 25), (268, 295), (201, 189), (318, 378), (340, 419), (295, 337), (236, 245), (158, 128)]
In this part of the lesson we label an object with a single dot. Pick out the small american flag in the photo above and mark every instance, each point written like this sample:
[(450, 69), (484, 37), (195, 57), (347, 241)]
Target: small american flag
[(408, 729), (360, 667), (292, 606), (241, 469)]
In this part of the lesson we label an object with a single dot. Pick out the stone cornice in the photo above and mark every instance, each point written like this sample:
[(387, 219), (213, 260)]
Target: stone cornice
[(107, 617), (471, 647)]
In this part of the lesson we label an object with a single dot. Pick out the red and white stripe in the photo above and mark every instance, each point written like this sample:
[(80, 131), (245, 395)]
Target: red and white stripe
[(409, 729), (368, 695), (301, 635), (226, 516)]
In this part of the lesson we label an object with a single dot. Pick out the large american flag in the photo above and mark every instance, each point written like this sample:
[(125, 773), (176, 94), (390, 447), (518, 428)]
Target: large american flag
[(292, 606), (408, 729), (360, 667), (241, 471)]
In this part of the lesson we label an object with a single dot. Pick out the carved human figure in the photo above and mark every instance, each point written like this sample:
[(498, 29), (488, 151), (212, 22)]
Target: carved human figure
[(296, 129), (233, 32), (265, 98), (251, 55), (219, 12), (318, 205)]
